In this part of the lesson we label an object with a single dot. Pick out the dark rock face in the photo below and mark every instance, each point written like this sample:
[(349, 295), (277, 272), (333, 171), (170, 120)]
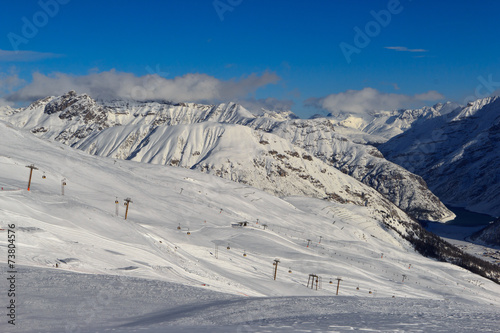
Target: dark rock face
[(489, 235), (61, 103)]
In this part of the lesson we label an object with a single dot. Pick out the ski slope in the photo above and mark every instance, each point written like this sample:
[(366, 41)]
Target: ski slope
[(145, 274)]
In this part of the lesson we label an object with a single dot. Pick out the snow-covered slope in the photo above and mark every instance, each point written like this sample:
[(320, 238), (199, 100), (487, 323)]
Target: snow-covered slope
[(237, 153), (457, 154), (80, 233), (190, 135)]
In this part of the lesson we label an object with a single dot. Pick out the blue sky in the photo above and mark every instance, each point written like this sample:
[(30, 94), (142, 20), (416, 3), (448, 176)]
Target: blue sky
[(282, 54)]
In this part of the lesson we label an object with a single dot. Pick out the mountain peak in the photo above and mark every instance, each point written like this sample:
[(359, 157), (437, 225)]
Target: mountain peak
[(473, 108)]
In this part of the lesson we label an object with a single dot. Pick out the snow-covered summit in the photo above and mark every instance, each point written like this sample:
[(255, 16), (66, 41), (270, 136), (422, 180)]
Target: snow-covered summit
[(472, 108)]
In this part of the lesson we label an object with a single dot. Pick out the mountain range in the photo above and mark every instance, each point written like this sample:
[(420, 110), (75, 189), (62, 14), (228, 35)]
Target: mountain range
[(273, 151)]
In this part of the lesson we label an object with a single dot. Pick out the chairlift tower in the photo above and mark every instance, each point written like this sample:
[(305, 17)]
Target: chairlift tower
[(275, 264), (313, 278), (338, 284), (31, 167), (126, 203)]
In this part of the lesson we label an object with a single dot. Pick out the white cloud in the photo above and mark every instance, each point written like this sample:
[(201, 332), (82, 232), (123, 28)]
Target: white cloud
[(4, 102), (369, 99), (10, 81), (25, 56), (119, 85), (404, 49)]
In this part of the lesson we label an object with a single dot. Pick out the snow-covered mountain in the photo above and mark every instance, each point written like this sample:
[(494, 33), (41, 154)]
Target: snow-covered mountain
[(366, 164), (379, 126), (177, 263), (456, 154), (272, 151)]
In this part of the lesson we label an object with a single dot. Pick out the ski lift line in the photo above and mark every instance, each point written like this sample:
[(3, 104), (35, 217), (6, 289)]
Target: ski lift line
[(397, 260), (52, 217)]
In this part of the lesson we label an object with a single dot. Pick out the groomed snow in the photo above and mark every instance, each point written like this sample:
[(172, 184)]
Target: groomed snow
[(62, 301)]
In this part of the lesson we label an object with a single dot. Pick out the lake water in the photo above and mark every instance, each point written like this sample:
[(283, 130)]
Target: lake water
[(464, 225), (467, 218)]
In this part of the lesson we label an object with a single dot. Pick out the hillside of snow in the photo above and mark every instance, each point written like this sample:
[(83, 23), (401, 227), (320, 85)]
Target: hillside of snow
[(456, 154), (179, 263), (191, 135)]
